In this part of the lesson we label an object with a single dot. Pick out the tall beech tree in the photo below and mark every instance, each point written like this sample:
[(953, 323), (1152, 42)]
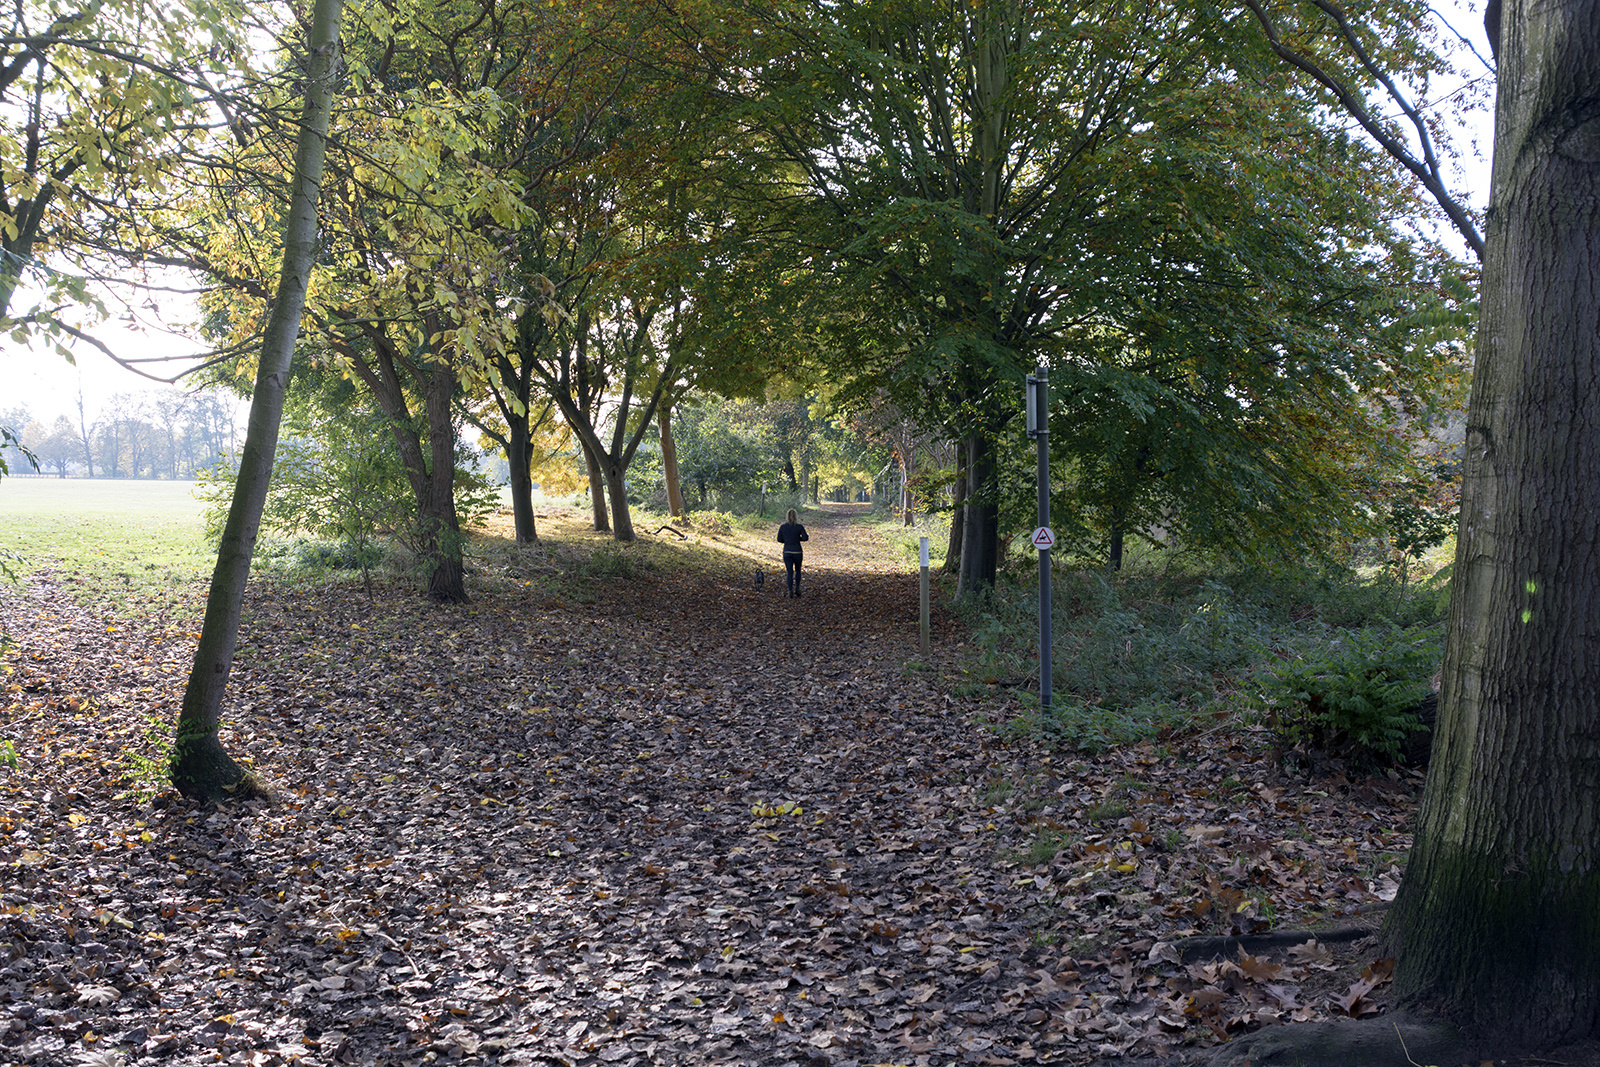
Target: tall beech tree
[(936, 148), (200, 766), (1252, 364), (1495, 922), (964, 198)]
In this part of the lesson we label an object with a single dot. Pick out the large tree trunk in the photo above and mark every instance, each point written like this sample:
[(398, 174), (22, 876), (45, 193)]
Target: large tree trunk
[(1498, 918), (669, 463), (617, 489), (431, 472), (980, 540), (200, 766), (958, 516)]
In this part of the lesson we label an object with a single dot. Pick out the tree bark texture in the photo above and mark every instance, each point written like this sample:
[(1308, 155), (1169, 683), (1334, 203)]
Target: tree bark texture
[(1498, 920), (669, 462), (617, 490), (958, 516), (980, 539), (519, 457), (597, 490), (439, 527), (200, 767)]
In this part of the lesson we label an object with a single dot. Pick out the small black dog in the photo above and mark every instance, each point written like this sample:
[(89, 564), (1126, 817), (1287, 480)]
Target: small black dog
[(761, 578)]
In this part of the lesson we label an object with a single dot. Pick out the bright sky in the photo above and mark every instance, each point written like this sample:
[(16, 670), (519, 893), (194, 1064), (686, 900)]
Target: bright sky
[(49, 386), (37, 377)]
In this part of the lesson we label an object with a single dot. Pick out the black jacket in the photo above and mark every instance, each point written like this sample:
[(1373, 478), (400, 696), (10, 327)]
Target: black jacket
[(791, 534)]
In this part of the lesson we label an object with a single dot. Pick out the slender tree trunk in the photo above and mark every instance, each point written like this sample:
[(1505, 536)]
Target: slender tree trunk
[(83, 435), (1498, 918), (980, 541), (597, 490), (907, 517), (516, 378), (669, 462), (200, 766)]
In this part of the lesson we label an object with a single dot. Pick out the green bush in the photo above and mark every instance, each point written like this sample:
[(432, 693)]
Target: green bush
[(1352, 697), (324, 555), (1141, 652)]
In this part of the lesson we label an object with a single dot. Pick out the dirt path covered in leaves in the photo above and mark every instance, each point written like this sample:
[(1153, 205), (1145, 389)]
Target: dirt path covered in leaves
[(671, 818)]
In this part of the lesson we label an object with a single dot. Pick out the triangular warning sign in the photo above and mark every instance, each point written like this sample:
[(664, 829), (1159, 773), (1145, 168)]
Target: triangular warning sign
[(1044, 538)]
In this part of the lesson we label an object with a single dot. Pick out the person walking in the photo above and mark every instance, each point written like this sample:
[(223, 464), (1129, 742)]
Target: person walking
[(791, 534)]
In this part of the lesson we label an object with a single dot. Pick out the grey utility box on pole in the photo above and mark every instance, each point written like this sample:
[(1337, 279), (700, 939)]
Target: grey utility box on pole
[(1038, 396)]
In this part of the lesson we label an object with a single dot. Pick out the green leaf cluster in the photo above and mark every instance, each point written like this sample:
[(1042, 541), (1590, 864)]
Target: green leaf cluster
[(1355, 696)]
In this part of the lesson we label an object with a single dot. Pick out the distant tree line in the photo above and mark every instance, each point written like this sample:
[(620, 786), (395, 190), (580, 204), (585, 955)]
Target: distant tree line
[(171, 434)]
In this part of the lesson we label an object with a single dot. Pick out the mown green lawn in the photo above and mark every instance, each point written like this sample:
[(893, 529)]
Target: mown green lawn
[(133, 543)]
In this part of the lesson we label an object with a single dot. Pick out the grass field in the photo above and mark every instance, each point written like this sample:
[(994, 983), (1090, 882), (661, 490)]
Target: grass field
[(129, 544)]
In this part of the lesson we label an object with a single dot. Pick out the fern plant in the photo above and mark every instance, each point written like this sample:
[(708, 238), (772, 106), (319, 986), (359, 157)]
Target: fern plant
[(1354, 697)]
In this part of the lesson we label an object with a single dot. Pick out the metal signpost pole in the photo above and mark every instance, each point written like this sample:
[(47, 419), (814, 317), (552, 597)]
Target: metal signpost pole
[(1043, 538)]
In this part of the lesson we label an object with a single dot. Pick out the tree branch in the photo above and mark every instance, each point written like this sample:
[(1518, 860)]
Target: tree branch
[(1425, 169)]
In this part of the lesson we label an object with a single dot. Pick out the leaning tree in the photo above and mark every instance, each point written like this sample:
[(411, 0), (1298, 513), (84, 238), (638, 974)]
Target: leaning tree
[(201, 767)]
